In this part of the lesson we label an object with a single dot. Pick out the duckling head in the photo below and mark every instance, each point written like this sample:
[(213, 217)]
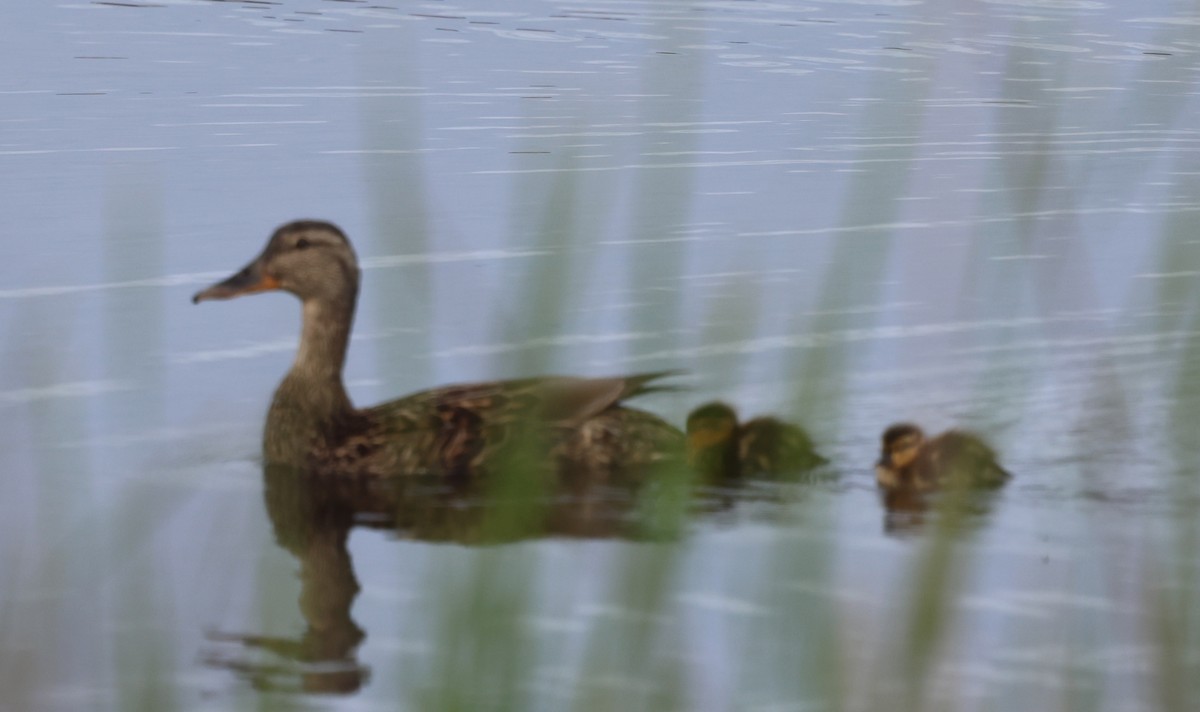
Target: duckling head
[(901, 445), (712, 439), (309, 258)]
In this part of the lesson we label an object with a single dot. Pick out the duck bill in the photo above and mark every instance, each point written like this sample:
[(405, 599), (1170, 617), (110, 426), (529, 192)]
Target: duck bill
[(250, 280)]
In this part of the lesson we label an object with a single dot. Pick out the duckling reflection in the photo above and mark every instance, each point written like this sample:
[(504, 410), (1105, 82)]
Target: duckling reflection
[(721, 449), (912, 467), (313, 426)]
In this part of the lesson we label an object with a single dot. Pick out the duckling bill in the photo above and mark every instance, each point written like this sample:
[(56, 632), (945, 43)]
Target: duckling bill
[(910, 460), (720, 447), (452, 430)]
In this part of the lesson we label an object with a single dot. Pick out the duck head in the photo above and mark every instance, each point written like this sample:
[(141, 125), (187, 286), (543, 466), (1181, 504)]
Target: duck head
[(309, 258), (712, 433), (901, 445)]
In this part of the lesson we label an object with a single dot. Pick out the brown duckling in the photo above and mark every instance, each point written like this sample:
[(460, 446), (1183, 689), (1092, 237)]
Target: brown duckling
[(911, 461), (719, 447), (581, 425)]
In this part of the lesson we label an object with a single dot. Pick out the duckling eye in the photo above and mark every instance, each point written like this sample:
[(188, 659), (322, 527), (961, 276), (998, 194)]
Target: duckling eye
[(302, 243)]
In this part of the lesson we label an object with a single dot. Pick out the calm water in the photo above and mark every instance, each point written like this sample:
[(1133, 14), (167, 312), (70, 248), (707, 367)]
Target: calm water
[(848, 212)]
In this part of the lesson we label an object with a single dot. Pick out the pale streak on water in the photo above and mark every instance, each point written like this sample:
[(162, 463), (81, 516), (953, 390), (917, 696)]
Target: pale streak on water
[(73, 389), (1016, 180), (204, 278)]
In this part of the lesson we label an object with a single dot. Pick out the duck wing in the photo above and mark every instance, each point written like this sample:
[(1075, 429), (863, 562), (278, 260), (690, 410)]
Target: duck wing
[(957, 453), (454, 430), (562, 401), (771, 446), (569, 402)]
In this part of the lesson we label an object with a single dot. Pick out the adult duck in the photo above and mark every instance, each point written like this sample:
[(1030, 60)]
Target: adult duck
[(911, 461), (719, 447), (574, 425)]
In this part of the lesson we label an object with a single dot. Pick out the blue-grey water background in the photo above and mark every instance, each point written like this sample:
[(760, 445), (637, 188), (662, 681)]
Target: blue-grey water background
[(964, 213)]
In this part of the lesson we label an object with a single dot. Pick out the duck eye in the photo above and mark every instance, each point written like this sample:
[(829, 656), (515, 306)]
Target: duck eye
[(302, 243)]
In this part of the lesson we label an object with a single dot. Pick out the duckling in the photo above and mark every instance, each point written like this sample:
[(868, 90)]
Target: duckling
[(718, 447), (911, 461), (452, 430)]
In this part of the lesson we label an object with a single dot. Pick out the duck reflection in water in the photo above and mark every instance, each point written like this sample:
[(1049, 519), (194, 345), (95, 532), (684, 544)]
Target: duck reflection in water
[(912, 467), (312, 516), (323, 659)]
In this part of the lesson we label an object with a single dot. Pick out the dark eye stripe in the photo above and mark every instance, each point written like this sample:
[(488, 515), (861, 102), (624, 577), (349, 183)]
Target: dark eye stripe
[(302, 243)]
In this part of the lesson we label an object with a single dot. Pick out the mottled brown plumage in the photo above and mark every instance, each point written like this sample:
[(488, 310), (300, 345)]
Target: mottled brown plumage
[(910, 461), (574, 425), (721, 448)]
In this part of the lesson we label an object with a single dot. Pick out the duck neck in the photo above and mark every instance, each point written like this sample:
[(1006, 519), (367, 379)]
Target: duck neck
[(312, 395), (323, 341)]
